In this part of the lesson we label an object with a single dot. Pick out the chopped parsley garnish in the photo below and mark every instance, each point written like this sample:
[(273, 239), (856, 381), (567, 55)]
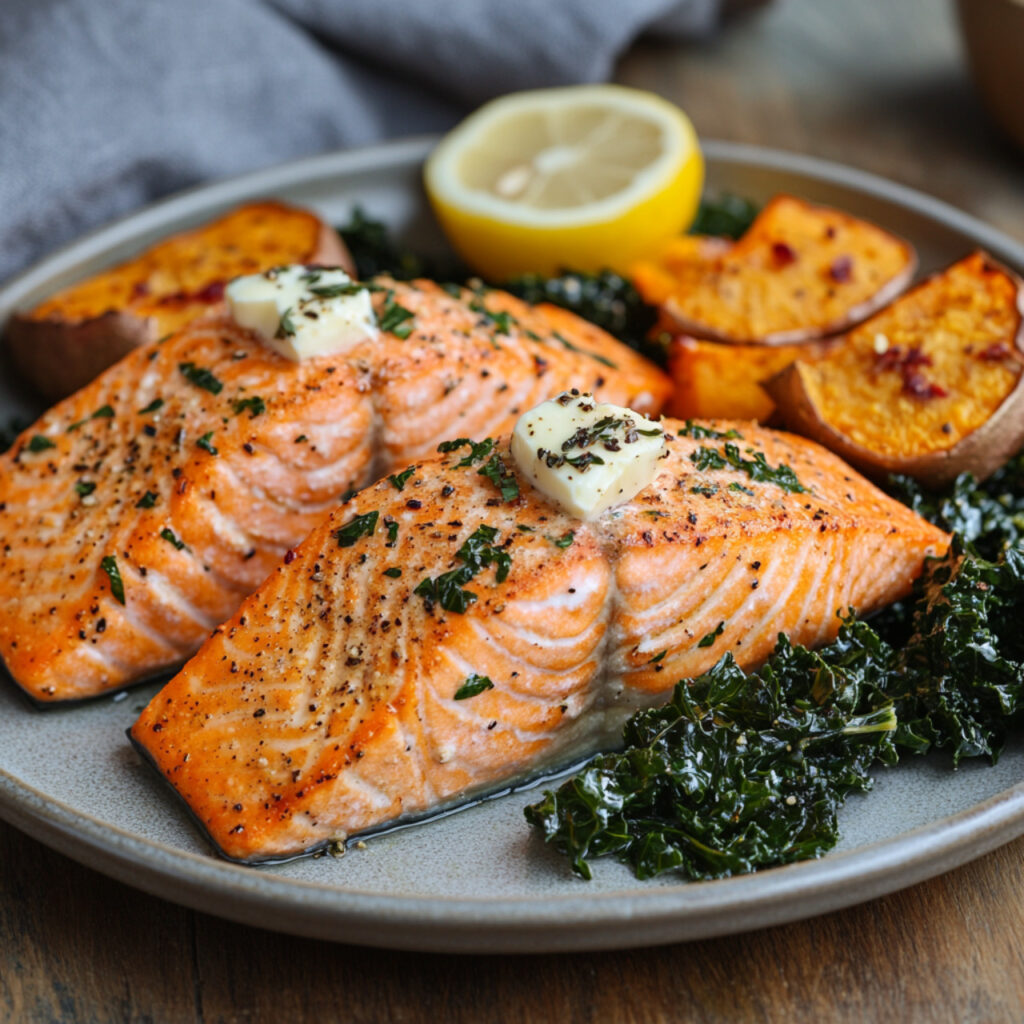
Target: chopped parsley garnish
[(756, 467), (301, 439), (477, 449), (201, 378), (84, 488), (392, 529), (709, 638), (394, 573), (708, 458), (584, 461), (285, 327), (736, 486), (610, 431), (206, 443), (399, 480), (360, 526), (523, 528), (446, 590), (109, 566), (148, 500), (564, 541), (708, 490), (698, 431), (157, 403), (255, 405), (168, 535), (336, 291), (502, 320), (477, 553), (473, 685), (39, 443), (658, 657), (566, 343), (104, 412), (501, 476), (393, 318)]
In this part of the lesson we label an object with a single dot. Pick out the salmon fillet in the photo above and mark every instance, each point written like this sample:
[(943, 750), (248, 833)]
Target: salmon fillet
[(429, 643), (136, 514)]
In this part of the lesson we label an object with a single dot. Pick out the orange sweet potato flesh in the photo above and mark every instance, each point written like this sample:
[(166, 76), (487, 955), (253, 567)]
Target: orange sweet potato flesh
[(74, 335), (716, 381), (933, 386), (801, 272)]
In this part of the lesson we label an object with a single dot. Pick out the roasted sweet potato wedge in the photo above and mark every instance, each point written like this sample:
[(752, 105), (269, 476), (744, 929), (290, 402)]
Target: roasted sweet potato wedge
[(716, 381), (76, 334), (657, 279), (801, 272), (933, 386)]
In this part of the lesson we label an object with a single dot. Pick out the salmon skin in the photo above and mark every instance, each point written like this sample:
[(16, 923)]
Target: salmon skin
[(427, 644), (136, 514)]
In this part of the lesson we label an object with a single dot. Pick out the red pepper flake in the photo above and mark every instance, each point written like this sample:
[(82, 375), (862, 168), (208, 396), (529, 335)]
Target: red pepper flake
[(899, 358), (907, 362), (995, 353), (783, 254), (918, 386), (841, 270), (213, 292), (290, 555)]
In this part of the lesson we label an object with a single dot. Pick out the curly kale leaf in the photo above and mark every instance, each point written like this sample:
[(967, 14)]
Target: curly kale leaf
[(989, 516), (959, 682), (604, 298), (375, 251), (726, 215), (736, 772), (742, 771)]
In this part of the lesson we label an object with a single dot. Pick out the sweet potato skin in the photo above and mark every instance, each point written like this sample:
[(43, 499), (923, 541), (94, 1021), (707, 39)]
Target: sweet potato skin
[(73, 336), (716, 381), (980, 450), (800, 273)]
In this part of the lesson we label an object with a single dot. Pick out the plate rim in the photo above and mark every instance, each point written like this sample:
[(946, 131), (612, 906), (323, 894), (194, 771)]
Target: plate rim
[(553, 923)]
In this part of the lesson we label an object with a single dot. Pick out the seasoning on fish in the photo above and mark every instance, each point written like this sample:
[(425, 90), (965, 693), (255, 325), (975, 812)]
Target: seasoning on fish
[(341, 697), (212, 438)]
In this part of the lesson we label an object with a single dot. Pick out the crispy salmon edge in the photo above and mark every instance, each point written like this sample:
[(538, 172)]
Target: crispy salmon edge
[(531, 781), (165, 675)]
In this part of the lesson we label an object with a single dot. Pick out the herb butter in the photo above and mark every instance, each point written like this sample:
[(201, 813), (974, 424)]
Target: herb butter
[(303, 312), (587, 456)]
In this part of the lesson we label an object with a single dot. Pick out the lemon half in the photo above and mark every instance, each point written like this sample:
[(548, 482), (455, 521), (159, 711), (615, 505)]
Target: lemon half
[(582, 177)]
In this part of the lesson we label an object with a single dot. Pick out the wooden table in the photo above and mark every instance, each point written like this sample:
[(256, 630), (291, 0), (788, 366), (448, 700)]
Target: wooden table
[(875, 84)]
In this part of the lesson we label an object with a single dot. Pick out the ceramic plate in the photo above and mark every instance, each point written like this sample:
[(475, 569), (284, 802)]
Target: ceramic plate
[(477, 880)]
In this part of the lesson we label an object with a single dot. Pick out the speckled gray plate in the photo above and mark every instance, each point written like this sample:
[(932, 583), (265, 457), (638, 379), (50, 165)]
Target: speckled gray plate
[(477, 881)]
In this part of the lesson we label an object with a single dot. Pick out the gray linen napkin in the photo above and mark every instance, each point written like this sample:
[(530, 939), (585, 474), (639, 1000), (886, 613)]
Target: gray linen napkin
[(108, 104)]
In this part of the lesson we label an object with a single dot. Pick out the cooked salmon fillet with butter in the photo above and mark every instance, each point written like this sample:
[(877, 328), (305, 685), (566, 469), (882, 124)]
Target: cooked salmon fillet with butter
[(429, 642), (136, 514)]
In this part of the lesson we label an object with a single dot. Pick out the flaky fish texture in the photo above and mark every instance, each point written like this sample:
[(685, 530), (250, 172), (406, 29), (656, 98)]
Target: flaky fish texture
[(432, 641), (136, 514)]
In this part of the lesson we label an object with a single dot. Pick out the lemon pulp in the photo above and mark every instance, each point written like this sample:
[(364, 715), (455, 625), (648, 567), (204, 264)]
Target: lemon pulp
[(582, 177)]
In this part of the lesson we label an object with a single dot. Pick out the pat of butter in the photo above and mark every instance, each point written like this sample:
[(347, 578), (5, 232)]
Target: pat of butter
[(587, 456), (303, 312)]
